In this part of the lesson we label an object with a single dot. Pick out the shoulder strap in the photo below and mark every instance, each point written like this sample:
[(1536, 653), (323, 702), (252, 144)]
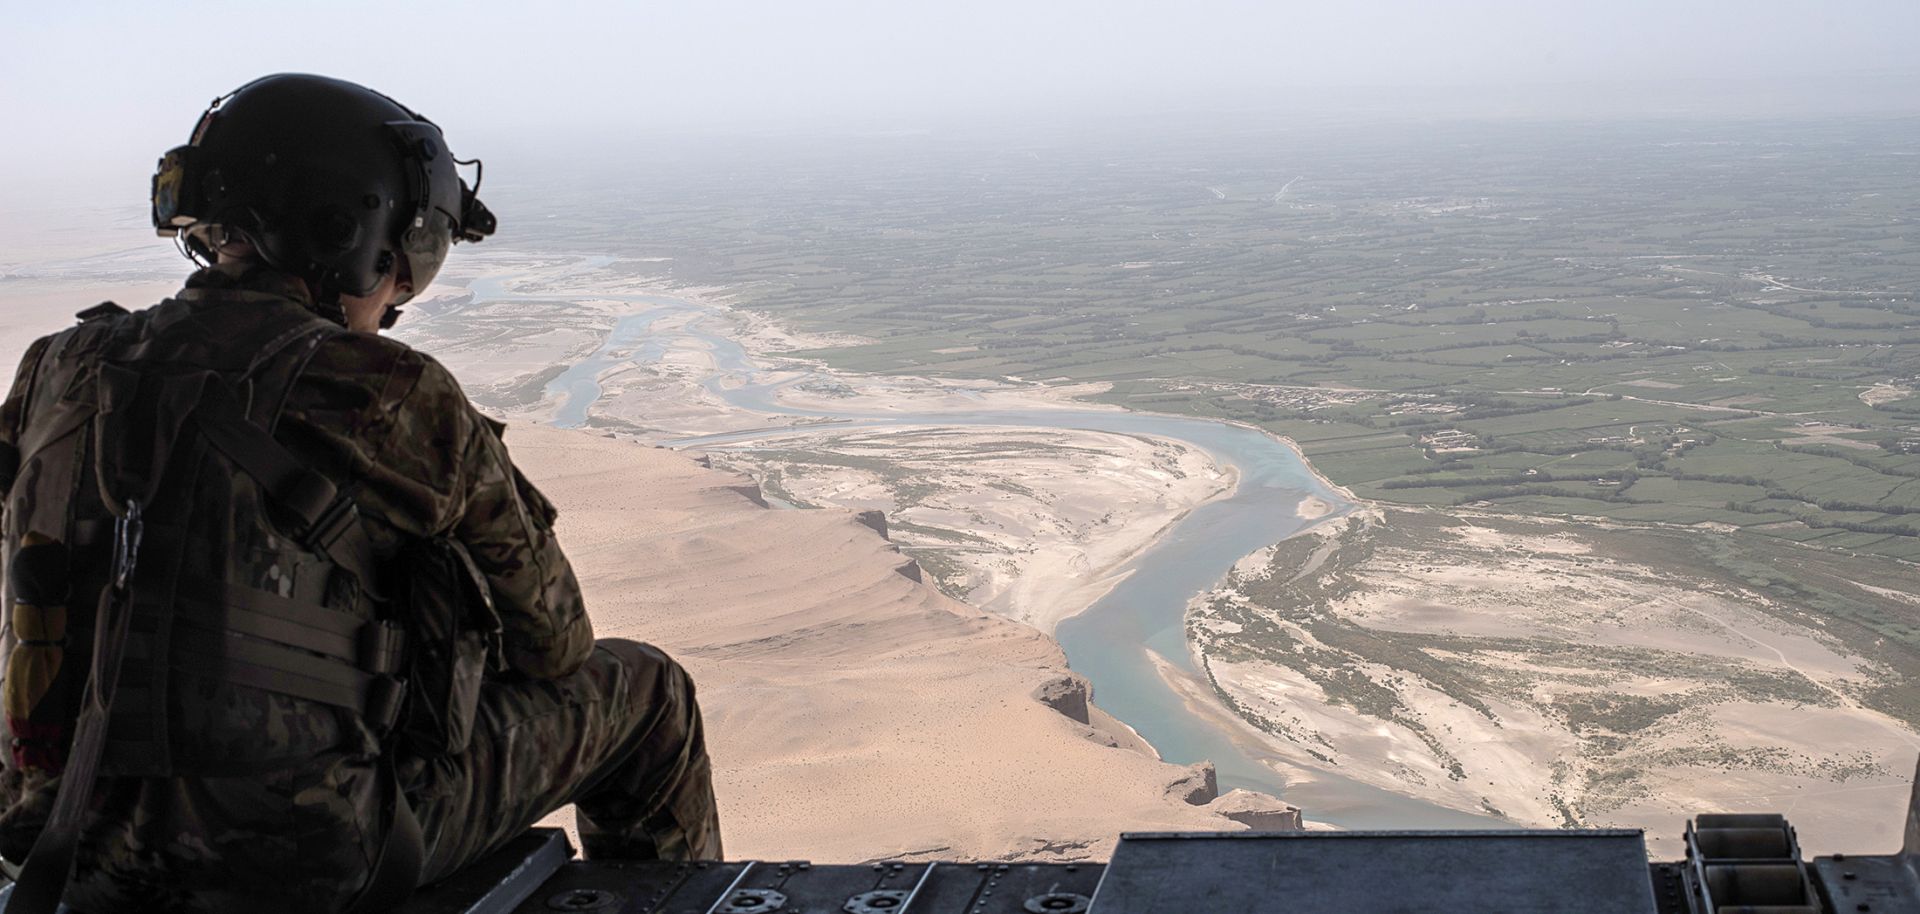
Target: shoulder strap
[(270, 378), (326, 519)]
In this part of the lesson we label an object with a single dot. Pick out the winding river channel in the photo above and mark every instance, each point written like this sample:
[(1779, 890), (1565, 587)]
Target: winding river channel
[(1119, 642)]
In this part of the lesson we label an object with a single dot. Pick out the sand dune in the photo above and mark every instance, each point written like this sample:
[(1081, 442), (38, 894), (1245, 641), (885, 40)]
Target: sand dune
[(854, 713)]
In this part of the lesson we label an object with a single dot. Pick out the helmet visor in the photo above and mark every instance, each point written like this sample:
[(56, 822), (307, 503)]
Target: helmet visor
[(433, 191), (423, 249)]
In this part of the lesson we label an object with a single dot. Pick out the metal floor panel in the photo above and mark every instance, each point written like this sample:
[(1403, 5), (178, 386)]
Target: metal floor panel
[(1485, 872), (793, 887)]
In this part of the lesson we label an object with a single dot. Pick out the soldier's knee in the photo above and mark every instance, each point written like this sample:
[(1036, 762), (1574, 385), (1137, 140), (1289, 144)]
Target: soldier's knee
[(653, 676)]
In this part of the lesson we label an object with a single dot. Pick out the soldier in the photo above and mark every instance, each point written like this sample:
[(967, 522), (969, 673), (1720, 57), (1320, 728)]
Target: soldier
[(323, 645)]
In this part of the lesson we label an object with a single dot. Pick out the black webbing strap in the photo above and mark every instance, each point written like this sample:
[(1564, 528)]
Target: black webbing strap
[(329, 521), (403, 855), (263, 614), (43, 878), (267, 641), (263, 665)]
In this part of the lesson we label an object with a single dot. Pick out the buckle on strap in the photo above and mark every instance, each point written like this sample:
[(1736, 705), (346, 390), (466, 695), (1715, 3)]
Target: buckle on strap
[(332, 523), (324, 511), (381, 648)]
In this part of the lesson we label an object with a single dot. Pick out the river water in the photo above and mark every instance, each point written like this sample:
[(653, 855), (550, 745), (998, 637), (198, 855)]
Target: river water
[(1115, 642)]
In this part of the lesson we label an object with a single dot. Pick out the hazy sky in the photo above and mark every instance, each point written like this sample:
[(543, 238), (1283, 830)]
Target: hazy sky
[(91, 90)]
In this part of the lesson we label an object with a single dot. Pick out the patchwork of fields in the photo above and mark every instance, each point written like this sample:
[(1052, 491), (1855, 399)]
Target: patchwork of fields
[(1666, 323)]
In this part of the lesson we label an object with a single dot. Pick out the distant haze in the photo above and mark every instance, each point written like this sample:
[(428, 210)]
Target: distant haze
[(94, 92)]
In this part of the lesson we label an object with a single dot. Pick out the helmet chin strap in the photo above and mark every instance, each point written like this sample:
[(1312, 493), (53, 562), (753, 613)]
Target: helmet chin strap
[(331, 310), (326, 299), (390, 317)]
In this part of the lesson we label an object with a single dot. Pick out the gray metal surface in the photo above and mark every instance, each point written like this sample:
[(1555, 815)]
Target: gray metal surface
[(1486, 872), (1881, 884), (874, 888), (500, 881), (1483, 872)]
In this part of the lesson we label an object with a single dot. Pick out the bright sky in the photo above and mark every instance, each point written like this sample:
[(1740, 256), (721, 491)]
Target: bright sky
[(95, 91)]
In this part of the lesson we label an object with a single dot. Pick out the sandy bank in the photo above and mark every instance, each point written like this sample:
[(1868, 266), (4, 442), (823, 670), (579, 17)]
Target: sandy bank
[(853, 713), (1553, 674), (1034, 524)]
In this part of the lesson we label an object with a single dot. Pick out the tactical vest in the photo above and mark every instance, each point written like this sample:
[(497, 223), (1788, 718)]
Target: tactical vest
[(236, 583), (237, 621)]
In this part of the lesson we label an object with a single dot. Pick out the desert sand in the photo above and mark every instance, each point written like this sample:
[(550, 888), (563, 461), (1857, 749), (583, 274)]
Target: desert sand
[(853, 712)]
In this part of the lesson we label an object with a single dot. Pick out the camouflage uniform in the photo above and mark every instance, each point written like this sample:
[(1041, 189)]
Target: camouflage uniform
[(611, 726)]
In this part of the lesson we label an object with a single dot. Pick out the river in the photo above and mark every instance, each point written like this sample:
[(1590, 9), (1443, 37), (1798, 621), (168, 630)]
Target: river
[(1113, 643)]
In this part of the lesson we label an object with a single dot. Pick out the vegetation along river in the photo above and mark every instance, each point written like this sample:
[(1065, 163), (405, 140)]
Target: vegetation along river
[(1114, 642)]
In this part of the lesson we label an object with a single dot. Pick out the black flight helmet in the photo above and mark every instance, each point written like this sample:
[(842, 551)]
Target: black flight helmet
[(329, 181)]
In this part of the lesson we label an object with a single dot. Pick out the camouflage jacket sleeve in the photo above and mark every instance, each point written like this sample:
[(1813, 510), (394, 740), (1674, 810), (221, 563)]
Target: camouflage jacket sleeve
[(12, 419), (426, 463), (12, 409)]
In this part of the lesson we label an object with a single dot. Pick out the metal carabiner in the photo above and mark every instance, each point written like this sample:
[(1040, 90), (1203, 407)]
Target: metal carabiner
[(127, 530)]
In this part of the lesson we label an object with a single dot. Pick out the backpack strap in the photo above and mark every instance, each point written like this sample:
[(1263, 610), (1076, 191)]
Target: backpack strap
[(403, 855), (271, 376), (326, 520)]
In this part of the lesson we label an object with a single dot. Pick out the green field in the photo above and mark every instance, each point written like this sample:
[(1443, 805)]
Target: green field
[(1659, 323)]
